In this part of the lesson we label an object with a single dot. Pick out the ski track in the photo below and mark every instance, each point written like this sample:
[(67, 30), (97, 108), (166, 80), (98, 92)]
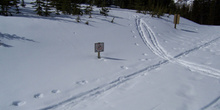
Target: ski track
[(214, 105), (71, 102), (150, 40)]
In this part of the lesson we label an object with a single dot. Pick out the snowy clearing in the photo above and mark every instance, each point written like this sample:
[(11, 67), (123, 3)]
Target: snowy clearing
[(49, 63)]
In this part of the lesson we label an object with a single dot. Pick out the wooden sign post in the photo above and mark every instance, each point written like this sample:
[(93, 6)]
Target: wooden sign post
[(176, 19), (99, 47)]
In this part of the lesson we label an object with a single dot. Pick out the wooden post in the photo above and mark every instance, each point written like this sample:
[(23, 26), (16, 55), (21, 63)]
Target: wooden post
[(176, 19), (99, 56)]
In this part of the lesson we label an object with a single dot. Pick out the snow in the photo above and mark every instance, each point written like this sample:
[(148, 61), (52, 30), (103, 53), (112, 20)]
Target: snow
[(188, 2), (50, 63)]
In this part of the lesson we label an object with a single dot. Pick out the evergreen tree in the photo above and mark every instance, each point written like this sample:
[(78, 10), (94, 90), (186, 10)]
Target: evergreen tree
[(217, 11), (98, 3), (76, 9), (211, 18), (138, 6), (66, 6), (46, 8), (39, 8), (15, 3), (104, 11), (22, 3), (88, 11), (57, 5), (5, 5), (78, 19)]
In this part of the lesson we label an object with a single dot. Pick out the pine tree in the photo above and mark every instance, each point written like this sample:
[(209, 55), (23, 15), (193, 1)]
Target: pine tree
[(88, 11), (104, 11), (46, 6), (138, 6), (15, 3), (78, 19), (98, 3), (211, 18), (66, 6), (39, 8), (196, 11), (217, 11), (22, 3), (5, 6), (76, 9), (57, 5)]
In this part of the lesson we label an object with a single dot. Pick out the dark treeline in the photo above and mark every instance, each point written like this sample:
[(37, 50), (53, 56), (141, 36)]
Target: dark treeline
[(202, 11), (205, 12)]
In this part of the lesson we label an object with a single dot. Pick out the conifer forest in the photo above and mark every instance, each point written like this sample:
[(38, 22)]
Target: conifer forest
[(201, 11)]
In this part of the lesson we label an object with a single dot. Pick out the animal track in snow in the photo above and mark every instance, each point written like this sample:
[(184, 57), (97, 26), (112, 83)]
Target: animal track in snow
[(55, 91), (18, 103), (143, 59), (145, 54), (83, 82), (124, 67), (136, 44), (39, 96)]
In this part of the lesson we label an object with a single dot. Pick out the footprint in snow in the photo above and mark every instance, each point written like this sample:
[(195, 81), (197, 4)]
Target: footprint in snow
[(18, 103), (39, 96), (135, 36), (55, 91), (124, 67), (136, 44), (143, 59), (158, 34), (145, 54), (132, 31), (83, 82)]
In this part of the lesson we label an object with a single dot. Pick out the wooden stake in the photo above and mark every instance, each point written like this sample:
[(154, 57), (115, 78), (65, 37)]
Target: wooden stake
[(175, 26), (99, 55)]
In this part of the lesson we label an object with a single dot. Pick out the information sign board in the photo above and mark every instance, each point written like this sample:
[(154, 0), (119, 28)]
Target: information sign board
[(99, 47)]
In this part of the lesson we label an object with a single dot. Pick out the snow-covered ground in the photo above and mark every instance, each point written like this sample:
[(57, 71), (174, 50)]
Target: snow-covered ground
[(50, 63)]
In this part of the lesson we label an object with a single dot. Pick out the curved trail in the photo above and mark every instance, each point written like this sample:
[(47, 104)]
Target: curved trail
[(151, 41)]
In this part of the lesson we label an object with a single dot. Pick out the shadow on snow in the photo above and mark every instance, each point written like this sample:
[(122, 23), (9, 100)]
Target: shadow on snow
[(12, 37)]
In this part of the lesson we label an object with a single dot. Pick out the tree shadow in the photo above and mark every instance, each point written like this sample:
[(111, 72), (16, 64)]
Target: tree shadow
[(29, 12), (12, 37), (189, 31), (5, 45), (111, 58)]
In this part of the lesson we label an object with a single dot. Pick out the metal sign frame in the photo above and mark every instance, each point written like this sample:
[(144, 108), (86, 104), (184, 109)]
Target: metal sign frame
[(99, 47)]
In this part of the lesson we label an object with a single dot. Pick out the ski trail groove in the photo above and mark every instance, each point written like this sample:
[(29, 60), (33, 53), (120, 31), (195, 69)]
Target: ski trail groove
[(214, 105), (151, 41), (71, 102), (153, 44)]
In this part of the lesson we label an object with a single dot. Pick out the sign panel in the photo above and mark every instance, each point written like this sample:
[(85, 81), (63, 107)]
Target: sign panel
[(99, 47), (176, 18)]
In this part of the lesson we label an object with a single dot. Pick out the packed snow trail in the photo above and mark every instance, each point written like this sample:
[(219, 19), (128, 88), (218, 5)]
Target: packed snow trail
[(151, 41)]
